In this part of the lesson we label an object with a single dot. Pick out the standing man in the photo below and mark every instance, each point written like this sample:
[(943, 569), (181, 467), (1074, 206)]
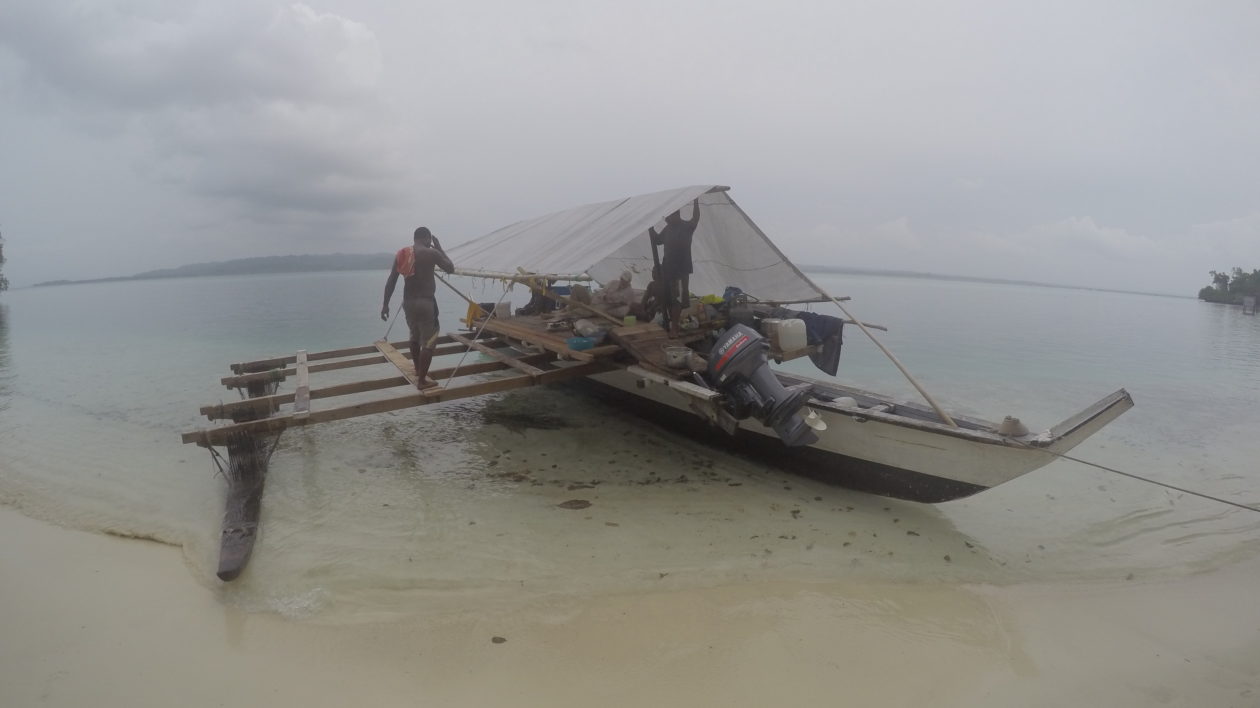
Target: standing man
[(676, 264), (415, 264)]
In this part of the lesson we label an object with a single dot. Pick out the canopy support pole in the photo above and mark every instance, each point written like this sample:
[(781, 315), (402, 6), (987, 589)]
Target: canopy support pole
[(926, 396)]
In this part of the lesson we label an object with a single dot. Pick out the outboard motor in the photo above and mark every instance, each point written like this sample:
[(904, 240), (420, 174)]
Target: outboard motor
[(740, 370)]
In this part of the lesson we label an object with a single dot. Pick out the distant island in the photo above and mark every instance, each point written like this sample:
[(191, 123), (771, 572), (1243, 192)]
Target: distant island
[(254, 266), (843, 270), (266, 265), (1230, 288)]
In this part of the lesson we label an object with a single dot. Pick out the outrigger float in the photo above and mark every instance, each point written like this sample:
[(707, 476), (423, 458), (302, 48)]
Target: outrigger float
[(713, 380)]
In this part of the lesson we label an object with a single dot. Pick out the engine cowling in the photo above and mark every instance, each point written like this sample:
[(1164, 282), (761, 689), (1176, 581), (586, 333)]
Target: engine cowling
[(739, 368)]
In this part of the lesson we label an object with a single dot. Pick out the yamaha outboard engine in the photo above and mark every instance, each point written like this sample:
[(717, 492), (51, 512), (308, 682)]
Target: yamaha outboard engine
[(739, 369)]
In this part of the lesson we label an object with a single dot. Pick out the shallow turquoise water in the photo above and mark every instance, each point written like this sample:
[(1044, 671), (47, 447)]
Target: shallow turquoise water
[(425, 510)]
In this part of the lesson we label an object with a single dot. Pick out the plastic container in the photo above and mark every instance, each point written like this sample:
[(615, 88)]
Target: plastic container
[(770, 328), (676, 357), (791, 335), (578, 344), (629, 321), (587, 328)]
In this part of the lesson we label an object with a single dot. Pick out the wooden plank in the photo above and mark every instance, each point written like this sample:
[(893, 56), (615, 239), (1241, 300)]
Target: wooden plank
[(282, 374), (523, 330), (222, 411), (251, 367), (513, 362), (687, 387), (647, 342), (218, 436), (263, 365), (595, 352), (407, 368), (302, 397), (530, 330), (643, 328)]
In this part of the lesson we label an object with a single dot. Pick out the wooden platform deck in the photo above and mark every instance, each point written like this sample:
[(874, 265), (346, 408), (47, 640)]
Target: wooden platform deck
[(521, 351), (647, 344), (643, 343), (265, 414), (532, 330), (548, 359)]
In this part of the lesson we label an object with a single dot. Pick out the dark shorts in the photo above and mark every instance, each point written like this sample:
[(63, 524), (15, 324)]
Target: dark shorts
[(422, 320), (677, 283)]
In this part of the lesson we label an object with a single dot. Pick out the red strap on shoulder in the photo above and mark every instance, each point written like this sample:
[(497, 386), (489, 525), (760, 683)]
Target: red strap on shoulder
[(405, 262)]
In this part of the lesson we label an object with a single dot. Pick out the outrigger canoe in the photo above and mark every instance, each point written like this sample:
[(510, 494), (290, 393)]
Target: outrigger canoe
[(726, 391)]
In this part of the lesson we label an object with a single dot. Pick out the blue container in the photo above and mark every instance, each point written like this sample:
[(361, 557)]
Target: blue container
[(577, 344)]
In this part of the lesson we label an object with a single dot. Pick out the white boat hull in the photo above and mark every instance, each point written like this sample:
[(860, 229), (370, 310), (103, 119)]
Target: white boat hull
[(902, 452)]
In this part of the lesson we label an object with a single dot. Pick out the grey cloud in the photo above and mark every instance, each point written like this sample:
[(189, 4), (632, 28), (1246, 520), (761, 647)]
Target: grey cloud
[(137, 56), (1055, 141), (271, 108)]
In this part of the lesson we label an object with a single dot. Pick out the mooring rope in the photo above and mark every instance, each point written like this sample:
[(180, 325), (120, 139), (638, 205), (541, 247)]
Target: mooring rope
[(1140, 478)]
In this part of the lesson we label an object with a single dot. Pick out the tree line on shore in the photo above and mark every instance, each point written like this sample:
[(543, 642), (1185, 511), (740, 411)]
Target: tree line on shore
[(1231, 287)]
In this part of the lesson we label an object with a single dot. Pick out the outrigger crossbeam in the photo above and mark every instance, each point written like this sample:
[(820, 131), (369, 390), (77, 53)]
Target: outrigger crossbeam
[(527, 370), (267, 413), (512, 353)]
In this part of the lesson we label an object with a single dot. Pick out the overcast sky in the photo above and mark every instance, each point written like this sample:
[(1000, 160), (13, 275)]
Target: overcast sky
[(1109, 144)]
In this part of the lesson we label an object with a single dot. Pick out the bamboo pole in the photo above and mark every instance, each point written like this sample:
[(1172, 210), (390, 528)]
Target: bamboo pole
[(527, 280), (927, 396), (457, 292)]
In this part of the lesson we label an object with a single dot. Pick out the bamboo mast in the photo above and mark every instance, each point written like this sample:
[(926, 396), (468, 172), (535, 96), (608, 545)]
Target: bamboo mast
[(927, 396)]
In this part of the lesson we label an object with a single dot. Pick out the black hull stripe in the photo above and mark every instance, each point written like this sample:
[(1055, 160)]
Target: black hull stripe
[(828, 467)]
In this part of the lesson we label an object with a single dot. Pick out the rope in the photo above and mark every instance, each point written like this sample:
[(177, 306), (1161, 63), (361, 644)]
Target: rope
[(1140, 478), (274, 444), (477, 336), (392, 320), (215, 457), (469, 300), (865, 330)]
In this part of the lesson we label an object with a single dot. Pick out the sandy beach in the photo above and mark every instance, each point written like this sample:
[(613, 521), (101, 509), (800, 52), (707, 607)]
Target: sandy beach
[(95, 620)]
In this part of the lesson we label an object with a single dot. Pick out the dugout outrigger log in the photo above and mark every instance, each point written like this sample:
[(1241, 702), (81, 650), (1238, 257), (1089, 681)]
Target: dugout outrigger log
[(722, 388)]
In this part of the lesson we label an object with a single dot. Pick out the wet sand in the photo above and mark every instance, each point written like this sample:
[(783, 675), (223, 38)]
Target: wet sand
[(95, 620)]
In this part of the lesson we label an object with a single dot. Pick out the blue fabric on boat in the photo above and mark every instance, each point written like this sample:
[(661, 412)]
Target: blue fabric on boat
[(819, 329)]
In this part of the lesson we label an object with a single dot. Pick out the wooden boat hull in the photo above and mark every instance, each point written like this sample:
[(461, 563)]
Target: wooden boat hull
[(901, 454)]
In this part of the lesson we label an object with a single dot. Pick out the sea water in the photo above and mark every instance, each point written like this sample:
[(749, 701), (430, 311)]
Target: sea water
[(447, 509)]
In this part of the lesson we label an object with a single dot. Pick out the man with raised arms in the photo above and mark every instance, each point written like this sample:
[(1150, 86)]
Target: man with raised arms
[(415, 264), (676, 262)]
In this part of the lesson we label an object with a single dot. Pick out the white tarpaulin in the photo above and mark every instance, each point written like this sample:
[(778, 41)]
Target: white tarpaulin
[(603, 240)]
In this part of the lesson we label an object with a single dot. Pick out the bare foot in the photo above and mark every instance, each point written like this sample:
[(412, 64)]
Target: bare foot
[(425, 383)]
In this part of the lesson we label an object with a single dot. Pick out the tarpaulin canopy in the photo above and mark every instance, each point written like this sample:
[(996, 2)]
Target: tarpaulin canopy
[(603, 240)]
